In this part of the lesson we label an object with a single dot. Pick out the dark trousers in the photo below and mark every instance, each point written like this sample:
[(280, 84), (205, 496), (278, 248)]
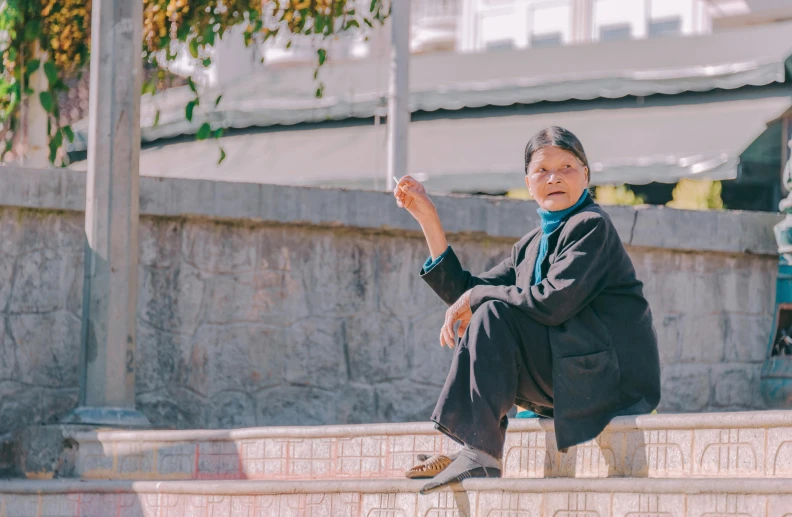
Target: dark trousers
[(503, 358)]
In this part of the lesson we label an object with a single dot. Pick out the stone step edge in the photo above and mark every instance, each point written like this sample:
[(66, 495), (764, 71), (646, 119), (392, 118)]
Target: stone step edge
[(681, 421), (689, 486)]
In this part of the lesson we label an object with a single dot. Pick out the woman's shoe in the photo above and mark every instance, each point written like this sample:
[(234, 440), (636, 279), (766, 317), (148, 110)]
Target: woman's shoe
[(430, 466), (467, 465)]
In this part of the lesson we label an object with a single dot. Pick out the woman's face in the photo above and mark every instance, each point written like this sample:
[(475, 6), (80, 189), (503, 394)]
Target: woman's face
[(556, 178)]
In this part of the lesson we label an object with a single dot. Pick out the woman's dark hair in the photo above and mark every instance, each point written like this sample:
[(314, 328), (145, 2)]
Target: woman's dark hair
[(555, 136)]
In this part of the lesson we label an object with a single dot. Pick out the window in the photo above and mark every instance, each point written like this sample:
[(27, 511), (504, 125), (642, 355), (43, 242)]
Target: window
[(499, 30), (667, 27), (618, 19), (615, 32), (547, 40), (500, 44), (549, 24)]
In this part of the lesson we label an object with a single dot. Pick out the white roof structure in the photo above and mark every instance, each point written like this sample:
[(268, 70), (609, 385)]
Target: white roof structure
[(484, 152), (629, 145)]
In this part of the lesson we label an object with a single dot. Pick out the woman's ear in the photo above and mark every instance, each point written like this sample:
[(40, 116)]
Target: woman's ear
[(588, 175)]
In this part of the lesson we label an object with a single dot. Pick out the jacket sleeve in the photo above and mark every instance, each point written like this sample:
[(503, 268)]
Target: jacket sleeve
[(573, 280), (449, 280)]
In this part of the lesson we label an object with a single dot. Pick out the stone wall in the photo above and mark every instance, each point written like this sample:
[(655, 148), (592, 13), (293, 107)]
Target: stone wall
[(309, 310)]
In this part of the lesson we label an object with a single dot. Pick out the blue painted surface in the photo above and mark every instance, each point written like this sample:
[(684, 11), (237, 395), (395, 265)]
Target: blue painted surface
[(776, 380), (526, 414)]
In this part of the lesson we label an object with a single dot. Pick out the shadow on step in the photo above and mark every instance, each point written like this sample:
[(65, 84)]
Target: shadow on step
[(532, 453), (610, 455)]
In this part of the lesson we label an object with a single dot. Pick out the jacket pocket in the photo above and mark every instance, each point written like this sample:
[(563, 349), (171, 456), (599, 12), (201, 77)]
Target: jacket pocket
[(587, 385)]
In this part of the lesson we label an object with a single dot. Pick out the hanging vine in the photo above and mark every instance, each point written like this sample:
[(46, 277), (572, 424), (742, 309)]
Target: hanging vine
[(53, 37)]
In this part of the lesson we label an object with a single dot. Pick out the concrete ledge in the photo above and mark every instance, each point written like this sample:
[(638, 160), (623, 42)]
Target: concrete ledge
[(364, 498), (64, 189), (733, 420), (724, 445), (367, 486)]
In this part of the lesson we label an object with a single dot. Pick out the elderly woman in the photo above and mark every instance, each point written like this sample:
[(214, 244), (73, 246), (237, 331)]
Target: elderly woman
[(560, 327)]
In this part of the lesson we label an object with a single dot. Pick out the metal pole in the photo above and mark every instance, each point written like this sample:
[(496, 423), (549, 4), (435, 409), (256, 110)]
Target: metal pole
[(107, 358), (398, 91)]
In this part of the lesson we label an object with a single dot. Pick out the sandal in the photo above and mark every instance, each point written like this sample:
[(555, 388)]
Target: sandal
[(429, 466)]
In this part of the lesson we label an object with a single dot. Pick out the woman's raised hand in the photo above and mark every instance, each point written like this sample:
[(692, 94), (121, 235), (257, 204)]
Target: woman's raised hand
[(412, 196)]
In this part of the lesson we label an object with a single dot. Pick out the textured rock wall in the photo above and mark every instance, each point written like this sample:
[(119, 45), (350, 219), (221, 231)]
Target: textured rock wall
[(245, 324)]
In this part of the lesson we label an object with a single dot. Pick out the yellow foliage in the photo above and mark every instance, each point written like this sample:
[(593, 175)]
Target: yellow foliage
[(697, 195), (616, 195), (68, 31), (519, 193)]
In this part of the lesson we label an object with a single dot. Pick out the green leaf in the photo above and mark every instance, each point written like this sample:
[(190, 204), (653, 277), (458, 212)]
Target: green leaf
[(156, 119), (193, 45), (191, 84), (12, 54), (51, 71), (222, 156), (67, 130), (188, 111), (218, 133), (373, 5), (209, 35), (368, 22), (352, 23), (32, 29), (54, 145), (60, 86), (316, 74), (183, 31), (320, 91), (206, 62), (218, 99), (149, 87), (322, 56), (32, 66), (47, 102), (288, 44), (204, 131)]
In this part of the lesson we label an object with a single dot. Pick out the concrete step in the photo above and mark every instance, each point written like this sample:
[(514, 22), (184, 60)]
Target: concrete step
[(715, 445), (383, 498)]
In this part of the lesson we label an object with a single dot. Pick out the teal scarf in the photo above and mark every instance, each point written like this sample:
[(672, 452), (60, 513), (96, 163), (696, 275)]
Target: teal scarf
[(551, 221)]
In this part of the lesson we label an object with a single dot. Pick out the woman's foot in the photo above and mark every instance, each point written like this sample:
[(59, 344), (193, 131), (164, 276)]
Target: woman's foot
[(470, 463)]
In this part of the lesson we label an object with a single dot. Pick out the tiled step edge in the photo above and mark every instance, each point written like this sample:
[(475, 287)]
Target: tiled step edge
[(718, 445), (359, 498)]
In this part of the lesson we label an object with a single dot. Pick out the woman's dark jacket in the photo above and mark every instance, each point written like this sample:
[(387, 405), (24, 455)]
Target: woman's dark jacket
[(603, 343)]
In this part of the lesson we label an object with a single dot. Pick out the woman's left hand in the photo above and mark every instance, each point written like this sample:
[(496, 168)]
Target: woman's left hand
[(459, 311)]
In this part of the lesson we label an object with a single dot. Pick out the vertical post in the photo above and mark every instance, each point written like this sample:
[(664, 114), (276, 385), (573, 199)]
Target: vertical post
[(398, 91), (36, 117), (107, 377), (582, 20)]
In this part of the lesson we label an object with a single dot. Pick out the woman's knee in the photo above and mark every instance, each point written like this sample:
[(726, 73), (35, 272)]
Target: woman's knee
[(492, 308), (489, 313)]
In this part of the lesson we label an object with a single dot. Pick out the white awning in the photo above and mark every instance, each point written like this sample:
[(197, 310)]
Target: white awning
[(355, 89), (626, 145)]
